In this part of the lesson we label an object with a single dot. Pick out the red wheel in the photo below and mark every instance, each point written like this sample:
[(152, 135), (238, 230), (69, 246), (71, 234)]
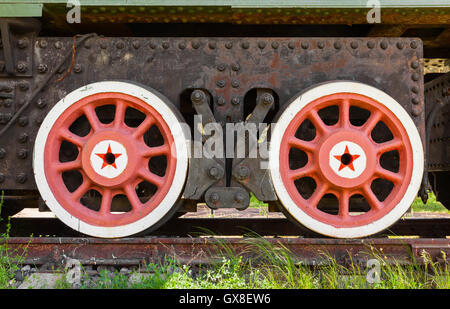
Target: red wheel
[(94, 181), (350, 161)]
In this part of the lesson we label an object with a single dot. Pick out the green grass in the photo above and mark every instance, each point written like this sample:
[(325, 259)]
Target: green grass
[(432, 205)]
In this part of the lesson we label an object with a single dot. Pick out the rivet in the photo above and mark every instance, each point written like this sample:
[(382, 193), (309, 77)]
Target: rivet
[(291, 45), (77, 68), (22, 154), (384, 45), (42, 68), (181, 45), (305, 45), (195, 45), (413, 45), (321, 45), (337, 45), (371, 44), (152, 45), (416, 112), (415, 77), (229, 45), (58, 45), (22, 67), (215, 173), (400, 45), (415, 100), (21, 178), (212, 45), (221, 83), (23, 138), (136, 44), (415, 89), (41, 103), (275, 45), (221, 67), (120, 45), (235, 84), (235, 67), (261, 44), (354, 45), (235, 101), (221, 101), (43, 44), (23, 121), (22, 43), (165, 45), (414, 64), (245, 45)]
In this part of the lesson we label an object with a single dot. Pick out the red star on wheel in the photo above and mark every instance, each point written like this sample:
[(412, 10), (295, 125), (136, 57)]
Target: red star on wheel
[(104, 156), (348, 157)]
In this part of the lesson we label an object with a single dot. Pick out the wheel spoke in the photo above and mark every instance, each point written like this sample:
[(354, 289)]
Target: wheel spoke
[(344, 199), (105, 207), (318, 123), (68, 166), (144, 126), (302, 145), (119, 116), (91, 115), (146, 175), (305, 171), (81, 190), (72, 138), (394, 144), (156, 151), (132, 197), (371, 198), (388, 175), (374, 118), (344, 113), (315, 198)]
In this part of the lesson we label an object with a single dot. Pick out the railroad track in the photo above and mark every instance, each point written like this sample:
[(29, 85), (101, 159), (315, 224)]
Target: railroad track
[(182, 240)]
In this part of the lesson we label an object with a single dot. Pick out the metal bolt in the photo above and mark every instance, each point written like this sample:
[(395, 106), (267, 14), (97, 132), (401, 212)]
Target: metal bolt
[(239, 197), (384, 45), (291, 45), (23, 121), (77, 68), (220, 83), (275, 45), (2, 153), (416, 112), (245, 45), (212, 45), (243, 172), (195, 45), (371, 44), (337, 45), (136, 44), (221, 101), (215, 172), (414, 64), (354, 45), (42, 68), (413, 45), (43, 44), (229, 45), (21, 178), (152, 45), (182, 45), (58, 45), (22, 43), (235, 101), (267, 99), (23, 138), (23, 86), (197, 96), (165, 45), (22, 67), (22, 154), (415, 100), (415, 77), (120, 45), (235, 84), (221, 67), (321, 45), (305, 45), (415, 89), (214, 197), (400, 45), (41, 103), (261, 44), (235, 67)]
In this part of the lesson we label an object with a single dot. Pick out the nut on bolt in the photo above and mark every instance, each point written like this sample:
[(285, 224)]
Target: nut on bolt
[(243, 172), (239, 197), (214, 198), (197, 96), (215, 172), (267, 99)]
